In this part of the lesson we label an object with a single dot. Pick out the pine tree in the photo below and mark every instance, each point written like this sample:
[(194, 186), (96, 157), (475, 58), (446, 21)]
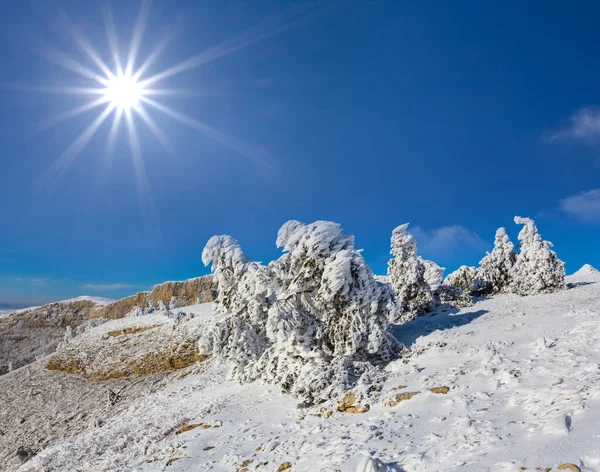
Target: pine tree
[(407, 276), (434, 274), (537, 268), (315, 321), (494, 268), (463, 278), (243, 298)]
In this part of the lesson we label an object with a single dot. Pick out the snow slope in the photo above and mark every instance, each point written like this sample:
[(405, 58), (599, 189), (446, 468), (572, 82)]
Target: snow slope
[(523, 379)]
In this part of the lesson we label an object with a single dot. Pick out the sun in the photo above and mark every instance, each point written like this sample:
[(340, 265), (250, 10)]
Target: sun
[(121, 89), (123, 92)]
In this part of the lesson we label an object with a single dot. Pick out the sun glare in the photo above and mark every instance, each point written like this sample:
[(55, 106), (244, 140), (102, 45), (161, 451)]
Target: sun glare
[(126, 94), (123, 92)]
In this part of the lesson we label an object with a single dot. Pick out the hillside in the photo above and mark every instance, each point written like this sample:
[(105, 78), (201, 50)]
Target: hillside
[(508, 384), (29, 333)]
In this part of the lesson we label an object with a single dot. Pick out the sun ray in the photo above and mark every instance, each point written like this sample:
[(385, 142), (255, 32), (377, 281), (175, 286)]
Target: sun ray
[(62, 117), (64, 61), (144, 196), (153, 127), (138, 34), (112, 135), (247, 38), (158, 50), (174, 92), (84, 44), (59, 90), (239, 146), (111, 36), (71, 153)]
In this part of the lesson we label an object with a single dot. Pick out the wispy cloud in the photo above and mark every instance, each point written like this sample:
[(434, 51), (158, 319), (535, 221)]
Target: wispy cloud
[(584, 206), (447, 240), (36, 282), (106, 287), (584, 126)]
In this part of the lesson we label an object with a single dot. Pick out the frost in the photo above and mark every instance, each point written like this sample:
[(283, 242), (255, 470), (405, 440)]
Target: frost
[(315, 321), (537, 268), (409, 276), (494, 268)]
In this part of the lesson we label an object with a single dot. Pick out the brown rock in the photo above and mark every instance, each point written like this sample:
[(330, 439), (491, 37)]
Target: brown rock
[(399, 387), (400, 398), (439, 390), (348, 405), (284, 466), (569, 466)]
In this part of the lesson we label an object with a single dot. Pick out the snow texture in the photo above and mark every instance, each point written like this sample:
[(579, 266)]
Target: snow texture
[(494, 268), (409, 276), (463, 278), (315, 321), (537, 269), (522, 394)]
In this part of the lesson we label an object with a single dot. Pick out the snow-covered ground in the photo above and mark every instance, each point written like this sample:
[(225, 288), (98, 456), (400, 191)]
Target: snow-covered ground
[(523, 380)]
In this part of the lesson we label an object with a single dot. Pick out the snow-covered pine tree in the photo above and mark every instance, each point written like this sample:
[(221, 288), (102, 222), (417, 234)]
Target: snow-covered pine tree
[(407, 276), (327, 325), (463, 278), (494, 268), (243, 297), (537, 268), (434, 274)]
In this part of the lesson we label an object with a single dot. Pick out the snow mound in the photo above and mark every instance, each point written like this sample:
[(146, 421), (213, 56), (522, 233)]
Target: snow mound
[(586, 269)]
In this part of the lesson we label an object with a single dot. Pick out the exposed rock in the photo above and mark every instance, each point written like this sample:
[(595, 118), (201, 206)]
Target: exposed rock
[(439, 390), (171, 294), (187, 426), (348, 405), (26, 335), (141, 350), (569, 466), (25, 453), (400, 398), (284, 466)]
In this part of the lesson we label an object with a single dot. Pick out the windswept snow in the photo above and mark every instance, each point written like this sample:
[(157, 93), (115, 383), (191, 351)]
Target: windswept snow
[(523, 379)]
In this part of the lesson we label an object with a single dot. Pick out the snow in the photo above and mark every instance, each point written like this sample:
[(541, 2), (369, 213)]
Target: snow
[(97, 300), (586, 270), (524, 391)]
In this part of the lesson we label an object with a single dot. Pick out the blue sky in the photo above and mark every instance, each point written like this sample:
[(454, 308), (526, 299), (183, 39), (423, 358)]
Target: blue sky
[(454, 117)]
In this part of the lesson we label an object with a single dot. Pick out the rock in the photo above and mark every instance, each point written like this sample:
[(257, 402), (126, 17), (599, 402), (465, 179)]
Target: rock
[(400, 398), (569, 466), (284, 466), (348, 405), (439, 390), (25, 453)]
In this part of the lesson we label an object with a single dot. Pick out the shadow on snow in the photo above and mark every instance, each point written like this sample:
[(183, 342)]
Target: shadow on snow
[(442, 319)]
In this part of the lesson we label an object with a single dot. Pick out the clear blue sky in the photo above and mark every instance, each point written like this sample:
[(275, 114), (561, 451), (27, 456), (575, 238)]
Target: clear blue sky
[(453, 116)]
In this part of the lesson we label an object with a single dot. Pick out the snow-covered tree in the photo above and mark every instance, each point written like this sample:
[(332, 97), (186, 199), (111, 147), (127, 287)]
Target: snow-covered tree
[(494, 268), (244, 297), (434, 274), (537, 268), (462, 278), (327, 322), (407, 276), (452, 296)]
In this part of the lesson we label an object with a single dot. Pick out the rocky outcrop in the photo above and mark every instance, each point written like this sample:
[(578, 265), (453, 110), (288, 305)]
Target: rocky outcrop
[(28, 334), (189, 292)]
